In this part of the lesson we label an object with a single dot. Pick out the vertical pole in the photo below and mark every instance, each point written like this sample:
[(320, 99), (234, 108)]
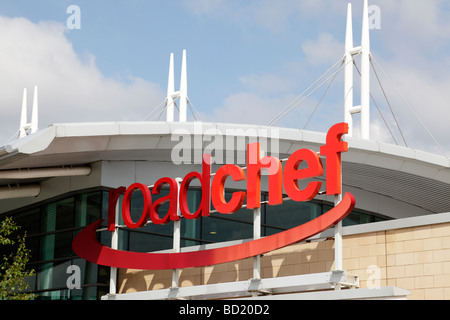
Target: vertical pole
[(183, 90), (170, 92), (35, 112), (23, 116), (115, 246), (364, 109), (338, 243), (177, 241), (338, 239), (348, 96), (365, 75), (348, 85), (176, 249), (256, 236)]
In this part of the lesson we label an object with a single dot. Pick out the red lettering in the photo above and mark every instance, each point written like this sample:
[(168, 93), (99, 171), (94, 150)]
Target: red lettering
[(146, 208), (205, 180), (332, 150), (172, 197), (218, 187), (114, 195), (292, 175), (254, 166), (215, 191)]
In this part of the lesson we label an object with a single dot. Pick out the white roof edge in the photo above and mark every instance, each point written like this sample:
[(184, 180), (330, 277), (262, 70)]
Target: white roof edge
[(33, 143), (40, 141)]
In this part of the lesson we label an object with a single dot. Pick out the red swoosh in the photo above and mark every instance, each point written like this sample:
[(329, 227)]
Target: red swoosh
[(89, 248)]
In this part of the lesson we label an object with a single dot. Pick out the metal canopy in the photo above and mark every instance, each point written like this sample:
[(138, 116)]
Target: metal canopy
[(252, 287)]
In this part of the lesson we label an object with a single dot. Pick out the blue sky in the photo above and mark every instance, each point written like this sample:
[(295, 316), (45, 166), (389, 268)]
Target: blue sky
[(247, 60)]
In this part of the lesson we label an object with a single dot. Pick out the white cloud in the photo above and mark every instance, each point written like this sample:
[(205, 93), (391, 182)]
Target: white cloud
[(427, 95), (274, 16), (424, 19), (267, 84), (250, 108), (70, 89), (201, 7), (326, 50)]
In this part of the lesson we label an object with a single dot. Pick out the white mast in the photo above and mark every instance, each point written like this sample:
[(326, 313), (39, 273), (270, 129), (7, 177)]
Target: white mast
[(183, 90), (350, 51), (365, 75), (34, 113), (171, 92), (32, 127), (23, 116), (172, 95), (348, 95)]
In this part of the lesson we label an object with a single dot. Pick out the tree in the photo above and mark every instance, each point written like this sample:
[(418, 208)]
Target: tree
[(13, 267)]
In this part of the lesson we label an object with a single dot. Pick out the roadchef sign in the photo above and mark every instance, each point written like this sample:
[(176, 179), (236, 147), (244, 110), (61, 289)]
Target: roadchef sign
[(89, 248)]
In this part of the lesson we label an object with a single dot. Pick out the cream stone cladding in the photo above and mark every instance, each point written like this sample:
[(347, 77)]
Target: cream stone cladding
[(412, 254)]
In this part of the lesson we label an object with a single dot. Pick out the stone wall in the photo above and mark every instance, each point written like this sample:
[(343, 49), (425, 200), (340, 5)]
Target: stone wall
[(413, 258)]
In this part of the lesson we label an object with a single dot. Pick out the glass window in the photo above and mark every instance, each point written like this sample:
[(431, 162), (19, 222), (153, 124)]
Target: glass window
[(50, 229), (227, 227), (356, 217), (221, 228), (290, 214), (190, 232), (145, 242)]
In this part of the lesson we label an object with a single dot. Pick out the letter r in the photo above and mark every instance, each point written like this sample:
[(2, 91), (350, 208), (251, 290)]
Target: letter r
[(114, 195)]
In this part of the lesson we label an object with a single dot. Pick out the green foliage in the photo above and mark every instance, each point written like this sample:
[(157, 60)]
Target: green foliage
[(13, 267)]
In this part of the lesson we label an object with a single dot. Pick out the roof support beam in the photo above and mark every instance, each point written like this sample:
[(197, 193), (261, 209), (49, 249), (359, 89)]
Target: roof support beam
[(23, 174), (16, 192)]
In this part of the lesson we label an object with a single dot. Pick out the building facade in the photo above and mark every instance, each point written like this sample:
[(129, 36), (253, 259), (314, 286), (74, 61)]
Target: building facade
[(398, 225), (394, 244)]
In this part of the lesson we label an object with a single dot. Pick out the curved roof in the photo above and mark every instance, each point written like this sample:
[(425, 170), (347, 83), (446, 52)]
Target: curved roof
[(405, 174)]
